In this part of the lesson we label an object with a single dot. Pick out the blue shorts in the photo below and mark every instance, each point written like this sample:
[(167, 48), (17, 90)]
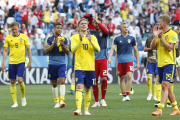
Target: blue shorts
[(56, 71), (16, 69), (88, 78), (72, 67), (167, 73), (151, 68)]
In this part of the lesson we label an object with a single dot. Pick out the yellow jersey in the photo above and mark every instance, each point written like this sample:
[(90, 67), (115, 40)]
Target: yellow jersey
[(17, 48), (47, 16), (85, 54), (165, 57), (56, 16)]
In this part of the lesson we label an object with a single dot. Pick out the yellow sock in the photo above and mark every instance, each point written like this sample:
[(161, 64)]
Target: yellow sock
[(62, 98), (87, 99), (158, 91), (78, 98), (161, 106), (155, 91), (174, 105), (149, 82), (13, 92), (22, 88), (72, 87), (56, 99)]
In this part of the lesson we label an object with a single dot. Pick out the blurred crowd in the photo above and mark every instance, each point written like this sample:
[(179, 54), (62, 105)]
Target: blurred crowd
[(36, 17)]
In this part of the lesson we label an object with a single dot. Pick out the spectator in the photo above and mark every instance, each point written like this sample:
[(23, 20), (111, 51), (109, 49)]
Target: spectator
[(11, 13), (92, 10), (24, 15), (38, 14), (75, 5), (123, 5), (135, 11), (1, 47), (143, 61), (2, 36), (111, 26), (117, 5), (65, 6), (55, 16), (39, 43), (58, 20), (29, 27), (156, 15), (76, 19), (47, 18), (67, 20), (73, 13), (139, 6), (34, 20), (117, 19), (45, 4), (66, 34), (131, 17), (110, 11), (98, 10), (134, 30), (83, 7), (117, 31), (127, 20), (24, 30), (177, 19), (124, 13), (9, 32), (2, 13), (147, 28)]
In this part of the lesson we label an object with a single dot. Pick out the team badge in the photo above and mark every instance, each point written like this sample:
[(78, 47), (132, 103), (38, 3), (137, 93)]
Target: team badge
[(120, 41), (166, 37), (49, 75), (100, 34), (129, 40), (20, 39)]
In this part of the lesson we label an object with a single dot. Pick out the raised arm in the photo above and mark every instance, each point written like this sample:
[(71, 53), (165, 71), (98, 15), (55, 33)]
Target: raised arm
[(104, 30), (156, 32)]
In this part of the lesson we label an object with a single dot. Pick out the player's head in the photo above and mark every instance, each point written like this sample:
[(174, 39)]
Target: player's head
[(96, 24), (124, 27), (83, 25), (58, 28), (15, 28), (163, 21)]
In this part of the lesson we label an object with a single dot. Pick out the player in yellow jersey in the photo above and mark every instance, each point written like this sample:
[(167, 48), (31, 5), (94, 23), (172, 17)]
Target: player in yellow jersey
[(17, 42), (83, 45), (164, 41)]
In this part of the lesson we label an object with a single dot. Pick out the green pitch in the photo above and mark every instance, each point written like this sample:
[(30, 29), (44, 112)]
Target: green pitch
[(40, 105)]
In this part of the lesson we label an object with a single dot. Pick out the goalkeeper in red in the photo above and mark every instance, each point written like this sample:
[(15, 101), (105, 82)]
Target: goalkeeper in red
[(101, 34), (83, 45)]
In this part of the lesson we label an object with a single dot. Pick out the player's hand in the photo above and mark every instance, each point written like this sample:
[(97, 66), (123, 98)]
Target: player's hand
[(160, 34), (109, 61), (89, 36), (137, 66), (62, 43), (156, 32), (96, 19), (55, 40), (3, 68), (80, 35), (116, 64), (29, 66)]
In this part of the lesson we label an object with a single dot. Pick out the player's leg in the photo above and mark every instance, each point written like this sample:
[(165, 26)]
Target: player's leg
[(158, 90), (90, 80), (149, 80), (62, 74), (52, 75), (104, 77), (129, 70), (79, 77), (96, 88), (168, 101), (21, 73), (12, 77), (72, 90), (155, 83)]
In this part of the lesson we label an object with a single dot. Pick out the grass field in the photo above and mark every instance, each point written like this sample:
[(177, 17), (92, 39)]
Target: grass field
[(40, 105)]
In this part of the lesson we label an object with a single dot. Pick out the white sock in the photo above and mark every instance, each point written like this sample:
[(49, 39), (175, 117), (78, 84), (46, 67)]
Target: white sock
[(62, 89), (55, 91)]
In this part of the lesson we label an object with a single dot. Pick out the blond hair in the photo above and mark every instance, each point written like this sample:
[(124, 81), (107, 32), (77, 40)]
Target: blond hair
[(83, 19), (14, 24), (165, 18), (123, 23)]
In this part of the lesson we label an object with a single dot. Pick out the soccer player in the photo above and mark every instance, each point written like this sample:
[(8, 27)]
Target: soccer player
[(72, 91), (57, 47), (101, 34), (164, 41), (17, 44), (83, 45), (124, 43), (151, 68)]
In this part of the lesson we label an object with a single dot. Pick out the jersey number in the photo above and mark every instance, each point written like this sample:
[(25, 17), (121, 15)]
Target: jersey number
[(104, 72), (94, 81), (16, 44), (85, 46), (168, 76)]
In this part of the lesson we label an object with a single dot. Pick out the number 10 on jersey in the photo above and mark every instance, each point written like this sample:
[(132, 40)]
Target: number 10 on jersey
[(85, 46)]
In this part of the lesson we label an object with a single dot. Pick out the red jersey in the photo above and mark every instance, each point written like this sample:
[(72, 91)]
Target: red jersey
[(29, 2), (24, 14), (111, 27), (177, 12), (24, 31), (38, 14)]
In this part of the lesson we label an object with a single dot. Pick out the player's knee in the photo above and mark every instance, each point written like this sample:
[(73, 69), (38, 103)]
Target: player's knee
[(164, 87), (54, 85), (87, 89), (79, 86), (104, 78), (129, 77), (20, 79), (13, 81)]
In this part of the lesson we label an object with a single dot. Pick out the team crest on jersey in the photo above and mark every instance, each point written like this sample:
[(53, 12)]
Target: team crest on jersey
[(120, 41), (49, 75), (166, 37), (100, 34), (20, 39), (129, 40)]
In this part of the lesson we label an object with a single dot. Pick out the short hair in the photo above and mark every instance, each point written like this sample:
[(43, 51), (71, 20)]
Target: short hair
[(165, 18), (83, 19), (14, 24), (57, 24), (123, 23)]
